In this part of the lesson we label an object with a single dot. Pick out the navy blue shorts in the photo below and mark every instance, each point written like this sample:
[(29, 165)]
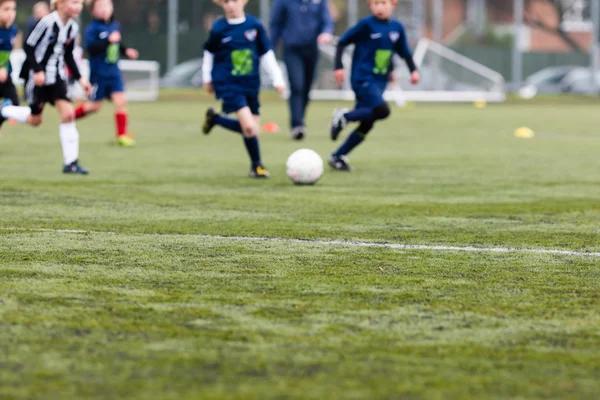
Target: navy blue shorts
[(368, 94), (235, 102), (103, 88)]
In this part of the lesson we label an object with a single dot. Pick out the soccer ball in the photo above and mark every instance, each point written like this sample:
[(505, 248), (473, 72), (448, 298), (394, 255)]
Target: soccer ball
[(304, 167)]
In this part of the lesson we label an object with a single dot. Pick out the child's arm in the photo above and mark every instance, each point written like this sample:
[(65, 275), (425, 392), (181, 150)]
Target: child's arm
[(403, 51), (72, 64), (33, 41), (353, 35), (210, 48)]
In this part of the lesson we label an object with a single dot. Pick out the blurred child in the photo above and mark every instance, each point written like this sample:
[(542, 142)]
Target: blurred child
[(8, 33), (104, 46), (49, 48), (233, 52), (377, 38)]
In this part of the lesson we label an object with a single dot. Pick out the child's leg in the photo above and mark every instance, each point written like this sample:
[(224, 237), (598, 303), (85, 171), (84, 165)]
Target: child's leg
[(249, 126), (87, 108), (69, 136), (355, 138), (121, 115), (231, 124)]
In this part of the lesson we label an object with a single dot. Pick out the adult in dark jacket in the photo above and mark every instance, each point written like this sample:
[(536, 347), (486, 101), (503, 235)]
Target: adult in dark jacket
[(301, 25)]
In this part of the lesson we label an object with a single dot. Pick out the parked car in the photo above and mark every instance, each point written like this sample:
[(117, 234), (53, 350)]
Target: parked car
[(579, 81), (545, 81)]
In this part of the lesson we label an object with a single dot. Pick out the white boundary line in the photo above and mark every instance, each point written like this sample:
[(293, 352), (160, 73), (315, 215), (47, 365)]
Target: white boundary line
[(466, 249)]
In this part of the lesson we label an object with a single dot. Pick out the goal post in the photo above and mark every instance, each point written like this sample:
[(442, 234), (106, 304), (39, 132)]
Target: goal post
[(447, 76), (142, 78)]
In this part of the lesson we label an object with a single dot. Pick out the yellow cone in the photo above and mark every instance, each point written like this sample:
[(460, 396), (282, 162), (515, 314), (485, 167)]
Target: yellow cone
[(480, 103), (524, 133)]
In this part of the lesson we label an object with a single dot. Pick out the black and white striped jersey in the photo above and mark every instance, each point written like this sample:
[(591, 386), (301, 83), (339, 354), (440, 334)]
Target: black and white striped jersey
[(50, 46)]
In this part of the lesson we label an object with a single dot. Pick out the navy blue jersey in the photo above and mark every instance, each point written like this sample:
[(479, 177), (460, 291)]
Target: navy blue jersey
[(104, 56), (376, 42), (237, 49), (7, 40)]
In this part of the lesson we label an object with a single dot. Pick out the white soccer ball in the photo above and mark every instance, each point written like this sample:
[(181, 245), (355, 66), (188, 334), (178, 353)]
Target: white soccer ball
[(304, 167)]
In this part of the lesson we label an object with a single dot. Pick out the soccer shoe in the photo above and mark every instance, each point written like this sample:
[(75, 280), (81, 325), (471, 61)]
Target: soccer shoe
[(5, 103), (338, 122), (209, 121), (259, 172), (298, 133), (340, 163), (75, 168), (125, 141)]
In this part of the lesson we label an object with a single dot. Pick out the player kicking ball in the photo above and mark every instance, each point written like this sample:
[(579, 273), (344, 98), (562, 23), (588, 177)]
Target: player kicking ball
[(48, 48), (236, 47), (104, 46), (376, 39)]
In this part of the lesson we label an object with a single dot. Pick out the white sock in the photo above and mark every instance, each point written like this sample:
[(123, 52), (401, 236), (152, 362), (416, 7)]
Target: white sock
[(69, 139), (17, 113)]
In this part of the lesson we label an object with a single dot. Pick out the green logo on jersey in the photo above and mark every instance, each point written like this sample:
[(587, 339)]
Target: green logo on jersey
[(242, 62), (382, 61), (4, 59), (112, 53)]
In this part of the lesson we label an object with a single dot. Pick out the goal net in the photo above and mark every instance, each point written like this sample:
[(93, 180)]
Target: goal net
[(142, 78), (446, 76)]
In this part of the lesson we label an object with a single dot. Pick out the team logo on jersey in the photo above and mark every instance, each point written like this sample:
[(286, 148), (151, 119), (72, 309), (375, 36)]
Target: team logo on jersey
[(103, 35), (394, 36), (251, 35), (316, 1)]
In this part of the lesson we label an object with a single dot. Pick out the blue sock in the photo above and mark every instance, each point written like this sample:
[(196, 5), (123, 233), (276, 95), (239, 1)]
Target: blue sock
[(228, 123), (351, 142), (253, 150), (360, 114)]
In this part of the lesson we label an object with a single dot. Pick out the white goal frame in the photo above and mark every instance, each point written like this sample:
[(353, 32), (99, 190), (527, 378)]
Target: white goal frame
[(149, 92), (495, 94)]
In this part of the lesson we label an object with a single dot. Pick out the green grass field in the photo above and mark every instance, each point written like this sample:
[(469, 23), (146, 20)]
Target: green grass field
[(152, 300)]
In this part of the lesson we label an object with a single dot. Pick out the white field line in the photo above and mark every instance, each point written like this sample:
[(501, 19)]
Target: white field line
[(395, 246)]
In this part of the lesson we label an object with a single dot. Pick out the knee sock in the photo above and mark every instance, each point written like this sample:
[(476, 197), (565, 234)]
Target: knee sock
[(69, 139), (17, 113), (80, 111), (253, 148), (228, 123), (355, 138), (121, 123)]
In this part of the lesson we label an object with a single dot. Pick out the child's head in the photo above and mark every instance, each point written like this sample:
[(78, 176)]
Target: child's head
[(8, 12), (69, 8), (232, 8), (382, 9), (101, 9), (40, 10)]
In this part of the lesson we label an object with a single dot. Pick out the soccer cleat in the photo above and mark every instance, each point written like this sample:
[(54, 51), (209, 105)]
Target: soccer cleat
[(5, 103), (209, 122), (75, 168), (125, 141), (340, 163), (259, 172), (298, 133), (338, 122)]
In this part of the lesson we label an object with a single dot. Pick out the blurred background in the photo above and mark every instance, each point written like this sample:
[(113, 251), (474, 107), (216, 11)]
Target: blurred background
[(536, 46)]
